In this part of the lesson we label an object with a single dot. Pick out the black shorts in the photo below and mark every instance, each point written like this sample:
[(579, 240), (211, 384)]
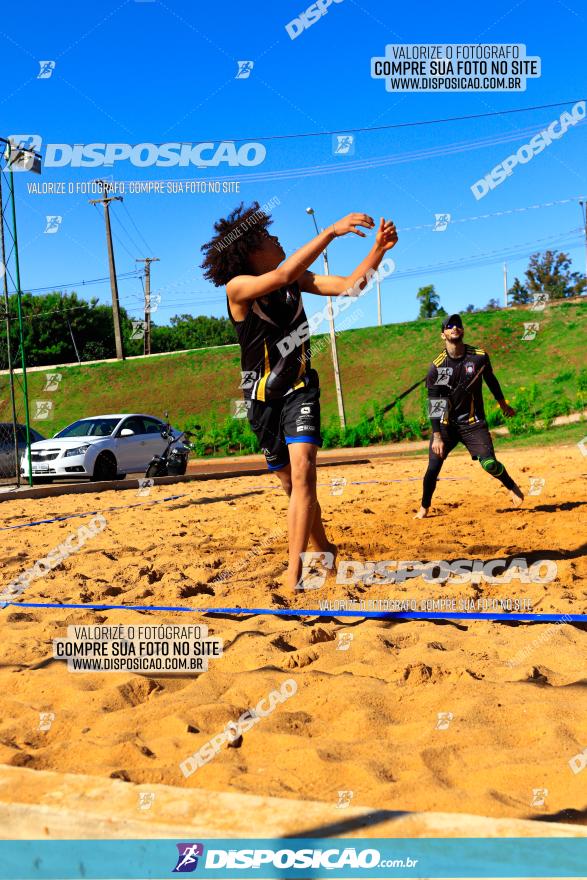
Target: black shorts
[(476, 438), (294, 418)]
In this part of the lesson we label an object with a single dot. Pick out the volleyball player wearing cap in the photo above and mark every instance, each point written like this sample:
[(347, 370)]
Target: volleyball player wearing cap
[(455, 399)]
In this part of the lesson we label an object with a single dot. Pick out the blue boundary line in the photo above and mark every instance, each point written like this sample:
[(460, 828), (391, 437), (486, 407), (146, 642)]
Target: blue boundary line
[(67, 516), (317, 612), (41, 522)]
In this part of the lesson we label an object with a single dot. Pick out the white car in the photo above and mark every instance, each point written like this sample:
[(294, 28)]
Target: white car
[(100, 448)]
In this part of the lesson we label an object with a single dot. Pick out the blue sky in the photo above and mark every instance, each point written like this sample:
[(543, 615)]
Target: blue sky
[(156, 72)]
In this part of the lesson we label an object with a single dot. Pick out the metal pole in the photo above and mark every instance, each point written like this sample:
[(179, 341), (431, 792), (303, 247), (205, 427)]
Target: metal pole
[(21, 330), (333, 348), (147, 337), (505, 283), (113, 284), (584, 219), (112, 267), (8, 341)]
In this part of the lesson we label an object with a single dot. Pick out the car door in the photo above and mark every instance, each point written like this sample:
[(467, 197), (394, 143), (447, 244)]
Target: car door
[(155, 442), (131, 451)]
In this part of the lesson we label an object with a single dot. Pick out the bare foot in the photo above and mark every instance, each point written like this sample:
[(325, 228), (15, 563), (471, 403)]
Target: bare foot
[(423, 512), (516, 495), (330, 548), (317, 565)]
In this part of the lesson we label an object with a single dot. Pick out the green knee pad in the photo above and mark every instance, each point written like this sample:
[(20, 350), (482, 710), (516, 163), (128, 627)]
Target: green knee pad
[(492, 466)]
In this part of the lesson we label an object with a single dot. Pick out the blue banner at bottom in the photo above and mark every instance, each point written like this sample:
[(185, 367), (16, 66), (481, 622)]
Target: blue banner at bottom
[(295, 857)]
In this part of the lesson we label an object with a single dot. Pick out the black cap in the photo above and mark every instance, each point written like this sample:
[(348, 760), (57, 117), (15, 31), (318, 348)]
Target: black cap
[(452, 319)]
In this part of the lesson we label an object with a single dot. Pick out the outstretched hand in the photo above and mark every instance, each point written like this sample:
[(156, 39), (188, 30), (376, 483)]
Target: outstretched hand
[(386, 236), (350, 223)]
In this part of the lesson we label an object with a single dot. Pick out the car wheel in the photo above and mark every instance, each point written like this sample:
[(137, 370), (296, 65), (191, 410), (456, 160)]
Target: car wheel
[(105, 467)]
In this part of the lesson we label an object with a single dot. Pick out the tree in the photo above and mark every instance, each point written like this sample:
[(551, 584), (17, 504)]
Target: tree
[(429, 302), (470, 308), (492, 305), (187, 331), (551, 273), (518, 294), (52, 319)]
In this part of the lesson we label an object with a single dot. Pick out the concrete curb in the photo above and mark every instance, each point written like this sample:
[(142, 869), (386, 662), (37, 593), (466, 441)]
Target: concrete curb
[(45, 805)]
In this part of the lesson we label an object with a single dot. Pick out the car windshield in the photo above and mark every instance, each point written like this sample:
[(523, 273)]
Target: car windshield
[(90, 428)]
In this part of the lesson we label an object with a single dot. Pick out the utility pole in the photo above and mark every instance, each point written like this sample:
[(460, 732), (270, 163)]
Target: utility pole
[(337, 381), (4, 273), (505, 283), (584, 219), (113, 282), (147, 337)]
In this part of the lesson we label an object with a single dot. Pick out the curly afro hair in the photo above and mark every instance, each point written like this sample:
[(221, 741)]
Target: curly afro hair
[(226, 255)]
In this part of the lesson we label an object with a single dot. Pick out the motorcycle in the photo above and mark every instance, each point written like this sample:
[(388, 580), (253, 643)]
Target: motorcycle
[(171, 462)]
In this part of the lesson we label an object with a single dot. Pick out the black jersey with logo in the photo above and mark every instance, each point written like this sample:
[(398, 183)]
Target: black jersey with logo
[(269, 370), (459, 382)]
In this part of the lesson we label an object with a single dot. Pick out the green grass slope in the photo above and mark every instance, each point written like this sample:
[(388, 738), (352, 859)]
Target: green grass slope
[(544, 377)]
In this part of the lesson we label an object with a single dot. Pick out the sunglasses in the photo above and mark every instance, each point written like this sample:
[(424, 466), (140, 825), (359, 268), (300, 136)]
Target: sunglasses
[(453, 327)]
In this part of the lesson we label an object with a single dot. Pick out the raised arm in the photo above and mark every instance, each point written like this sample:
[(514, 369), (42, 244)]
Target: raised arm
[(337, 285), (247, 287)]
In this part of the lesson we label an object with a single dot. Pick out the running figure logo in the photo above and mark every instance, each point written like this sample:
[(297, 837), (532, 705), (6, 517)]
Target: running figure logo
[(437, 407), (443, 720), (46, 71), (530, 330), (315, 567), (138, 329), (53, 223), (52, 381), (444, 374), (43, 409), (441, 222), (539, 301), (539, 796), (240, 409), (344, 799), (244, 69), (187, 860), (248, 379), (343, 144)]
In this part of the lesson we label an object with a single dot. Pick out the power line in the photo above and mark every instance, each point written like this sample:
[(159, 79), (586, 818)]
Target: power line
[(350, 165), (133, 243), (56, 287), (486, 258), (117, 237), (519, 250), (140, 234), (206, 298), (439, 121), (403, 124)]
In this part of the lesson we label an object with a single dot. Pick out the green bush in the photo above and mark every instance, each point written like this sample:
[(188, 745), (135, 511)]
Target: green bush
[(564, 377)]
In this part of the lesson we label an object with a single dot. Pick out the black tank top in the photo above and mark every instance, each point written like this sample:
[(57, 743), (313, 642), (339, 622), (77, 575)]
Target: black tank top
[(270, 371)]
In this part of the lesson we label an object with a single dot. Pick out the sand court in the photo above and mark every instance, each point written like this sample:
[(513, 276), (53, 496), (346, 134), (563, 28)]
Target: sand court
[(429, 715)]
